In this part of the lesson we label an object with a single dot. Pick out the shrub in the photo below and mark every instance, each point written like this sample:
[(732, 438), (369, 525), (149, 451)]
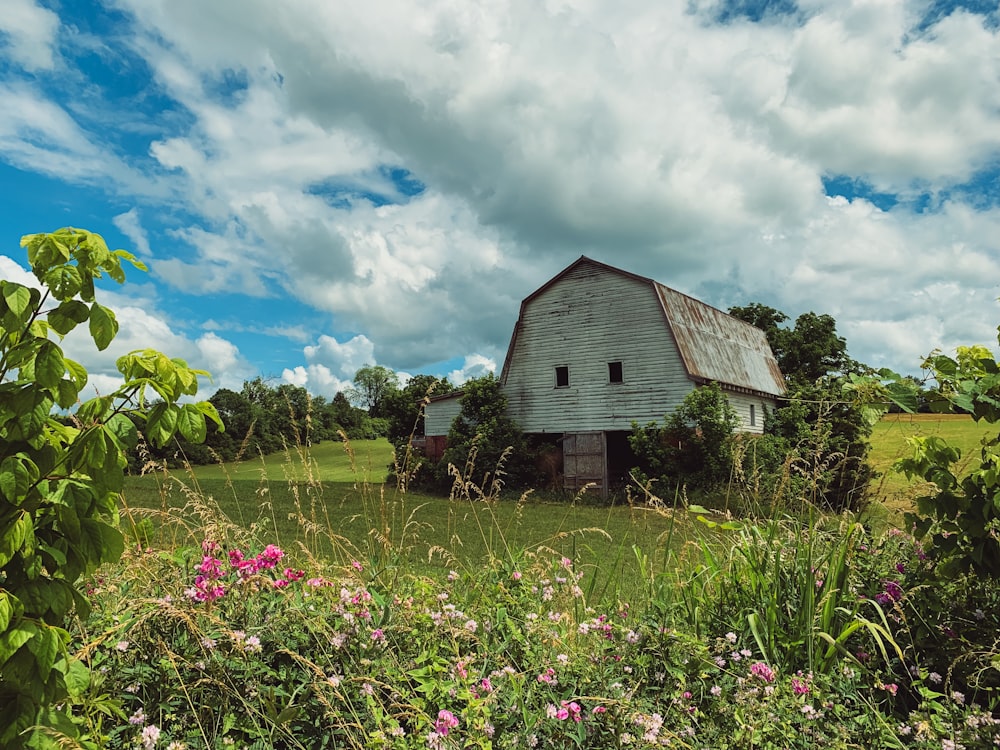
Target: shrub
[(59, 482)]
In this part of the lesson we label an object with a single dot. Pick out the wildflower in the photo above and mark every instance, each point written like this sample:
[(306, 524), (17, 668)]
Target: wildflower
[(904, 730), (550, 711), (799, 687), (487, 685), (935, 678), (335, 680), (808, 711), (715, 690), (378, 635), (253, 644), (176, 745), (562, 713), (516, 575), (367, 689), (731, 637), (890, 687), (632, 637), (598, 710), (139, 717), (761, 670), (958, 697), (562, 658), (357, 566), (471, 625), (452, 575), (207, 643), (574, 710), (122, 646), (150, 735), (434, 741), (446, 721), (548, 676)]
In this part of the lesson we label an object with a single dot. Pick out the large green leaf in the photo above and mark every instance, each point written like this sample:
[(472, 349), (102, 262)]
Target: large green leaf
[(161, 423), (18, 298), (10, 609), (14, 535), (17, 474), (64, 281), (49, 367), (103, 325), (191, 423), (68, 316)]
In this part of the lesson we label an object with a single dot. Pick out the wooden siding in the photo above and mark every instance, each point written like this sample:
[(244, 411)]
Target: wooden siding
[(742, 403), (440, 413), (583, 321)]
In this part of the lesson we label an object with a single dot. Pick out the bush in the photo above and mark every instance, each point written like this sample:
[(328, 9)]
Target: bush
[(695, 445), (59, 482)]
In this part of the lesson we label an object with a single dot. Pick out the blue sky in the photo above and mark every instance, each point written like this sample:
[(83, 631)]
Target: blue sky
[(316, 186)]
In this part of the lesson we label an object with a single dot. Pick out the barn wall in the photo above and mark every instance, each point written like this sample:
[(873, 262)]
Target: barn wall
[(742, 403), (440, 413), (583, 321)]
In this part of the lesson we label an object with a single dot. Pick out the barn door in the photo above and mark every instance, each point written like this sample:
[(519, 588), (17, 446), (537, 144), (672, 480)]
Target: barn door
[(584, 461)]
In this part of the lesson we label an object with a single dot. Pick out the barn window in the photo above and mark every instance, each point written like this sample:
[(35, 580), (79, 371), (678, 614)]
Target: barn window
[(615, 372), (562, 376), (753, 416)]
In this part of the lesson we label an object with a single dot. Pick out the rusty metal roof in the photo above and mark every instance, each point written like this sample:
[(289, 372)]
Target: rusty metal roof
[(713, 345), (717, 347)]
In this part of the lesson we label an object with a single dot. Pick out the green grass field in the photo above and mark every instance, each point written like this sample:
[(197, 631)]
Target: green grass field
[(894, 490), (333, 499)]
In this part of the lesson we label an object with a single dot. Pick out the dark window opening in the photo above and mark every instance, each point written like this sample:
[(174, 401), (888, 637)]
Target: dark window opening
[(753, 416), (615, 372), (562, 376)]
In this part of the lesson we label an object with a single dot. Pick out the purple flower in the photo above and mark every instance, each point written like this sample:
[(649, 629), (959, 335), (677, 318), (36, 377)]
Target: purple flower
[(761, 670), (446, 721)]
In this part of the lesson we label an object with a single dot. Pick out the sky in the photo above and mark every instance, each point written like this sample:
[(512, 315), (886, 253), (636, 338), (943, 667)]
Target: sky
[(317, 185)]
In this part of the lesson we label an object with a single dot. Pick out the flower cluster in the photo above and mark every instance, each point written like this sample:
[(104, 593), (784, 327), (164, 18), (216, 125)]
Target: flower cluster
[(209, 584)]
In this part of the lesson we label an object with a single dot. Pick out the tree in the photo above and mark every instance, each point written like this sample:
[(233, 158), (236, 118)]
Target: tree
[(373, 385), (828, 433), (404, 408), (695, 445), (59, 482), (482, 431)]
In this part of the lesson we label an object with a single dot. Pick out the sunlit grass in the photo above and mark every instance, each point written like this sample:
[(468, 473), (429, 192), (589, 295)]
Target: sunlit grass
[(889, 445)]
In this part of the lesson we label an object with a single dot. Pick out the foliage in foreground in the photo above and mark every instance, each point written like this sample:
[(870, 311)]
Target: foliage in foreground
[(59, 482), (224, 646)]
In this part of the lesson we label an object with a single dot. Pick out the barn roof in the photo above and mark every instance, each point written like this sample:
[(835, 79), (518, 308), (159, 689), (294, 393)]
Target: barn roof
[(714, 346)]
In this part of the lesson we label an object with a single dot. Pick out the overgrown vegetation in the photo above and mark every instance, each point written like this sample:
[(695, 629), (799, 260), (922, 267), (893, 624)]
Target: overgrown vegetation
[(791, 630), (59, 482)]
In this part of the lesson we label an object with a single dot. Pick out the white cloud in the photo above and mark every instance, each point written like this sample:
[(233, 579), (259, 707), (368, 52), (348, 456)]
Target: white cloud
[(640, 133), (475, 366), (28, 34), (130, 225)]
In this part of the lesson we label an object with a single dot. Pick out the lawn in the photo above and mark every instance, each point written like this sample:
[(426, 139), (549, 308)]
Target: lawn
[(889, 445), (332, 500)]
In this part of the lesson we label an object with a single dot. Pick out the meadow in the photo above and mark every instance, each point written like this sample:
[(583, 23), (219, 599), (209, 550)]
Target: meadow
[(298, 601)]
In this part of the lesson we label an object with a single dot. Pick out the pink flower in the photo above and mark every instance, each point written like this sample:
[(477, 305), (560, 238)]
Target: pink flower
[(378, 635), (357, 566), (516, 575), (799, 687), (446, 721), (761, 670)]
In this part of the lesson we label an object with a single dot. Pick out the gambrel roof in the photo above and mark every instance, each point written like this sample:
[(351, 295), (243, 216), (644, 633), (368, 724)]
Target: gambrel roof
[(714, 346)]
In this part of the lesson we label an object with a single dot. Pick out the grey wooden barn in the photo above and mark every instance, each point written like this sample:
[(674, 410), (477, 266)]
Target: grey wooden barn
[(597, 348)]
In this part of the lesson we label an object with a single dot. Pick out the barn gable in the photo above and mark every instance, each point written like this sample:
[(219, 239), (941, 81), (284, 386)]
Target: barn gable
[(596, 349)]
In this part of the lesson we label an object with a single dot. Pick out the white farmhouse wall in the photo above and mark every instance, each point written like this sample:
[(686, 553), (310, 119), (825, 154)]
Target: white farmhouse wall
[(440, 413), (753, 423), (583, 321)]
